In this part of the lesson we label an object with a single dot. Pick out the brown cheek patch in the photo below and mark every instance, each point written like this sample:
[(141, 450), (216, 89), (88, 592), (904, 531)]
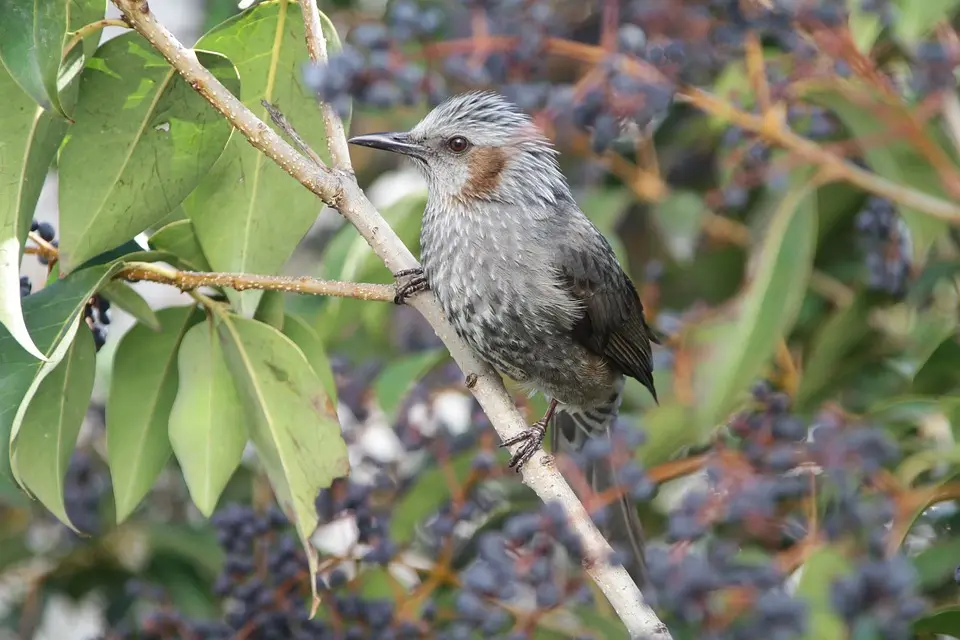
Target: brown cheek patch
[(486, 166)]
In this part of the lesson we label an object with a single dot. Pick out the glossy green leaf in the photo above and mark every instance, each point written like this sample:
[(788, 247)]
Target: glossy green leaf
[(936, 564), (248, 213), (51, 423), (679, 217), (292, 421), (819, 571), (944, 621), (31, 45), (155, 137), (84, 12), (897, 159), (30, 138), (303, 335), (143, 387), (180, 239), (122, 295), (401, 375), (208, 430), (270, 309), (916, 19), (736, 348), (52, 315)]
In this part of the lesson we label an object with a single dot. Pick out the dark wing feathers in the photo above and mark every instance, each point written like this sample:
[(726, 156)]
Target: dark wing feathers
[(613, 325)]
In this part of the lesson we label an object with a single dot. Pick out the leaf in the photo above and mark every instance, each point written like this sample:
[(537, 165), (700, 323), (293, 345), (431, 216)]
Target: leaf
[(401, 375), (48, 433), (935, 565), (236, 210), (30, 138), (865, 26), (270, 309), (897, 159), (52, 315), (737, 348), (916, 19), (143, 387), (180, 239), (125, 297), (680, 216), (31, 45), (303, 335), (207, 426), (155, 137), (292, 422), (606, 207), (944, 621), (840, 334), (820, 570)]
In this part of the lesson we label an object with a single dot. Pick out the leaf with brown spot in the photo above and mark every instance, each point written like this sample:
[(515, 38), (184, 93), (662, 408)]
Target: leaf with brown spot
[(297, 438)]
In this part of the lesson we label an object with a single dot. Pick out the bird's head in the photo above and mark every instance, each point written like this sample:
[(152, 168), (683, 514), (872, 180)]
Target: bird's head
[(479, 147)]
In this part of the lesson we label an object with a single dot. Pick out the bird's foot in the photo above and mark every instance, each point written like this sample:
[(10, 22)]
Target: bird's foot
[(532, 439), (409, 282)]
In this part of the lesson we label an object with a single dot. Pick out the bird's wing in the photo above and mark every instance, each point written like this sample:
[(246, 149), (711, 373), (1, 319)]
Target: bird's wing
[(612, 323)]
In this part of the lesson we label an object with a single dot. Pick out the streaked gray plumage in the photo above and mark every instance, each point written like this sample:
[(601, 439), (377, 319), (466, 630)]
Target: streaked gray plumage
[(523, 275)]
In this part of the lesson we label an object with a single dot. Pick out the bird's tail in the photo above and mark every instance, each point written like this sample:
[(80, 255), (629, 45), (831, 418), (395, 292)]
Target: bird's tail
[(573, 427)]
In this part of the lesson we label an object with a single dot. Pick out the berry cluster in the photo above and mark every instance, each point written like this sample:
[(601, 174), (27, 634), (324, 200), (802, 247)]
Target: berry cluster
[(885, 242), (47, 233), (84, 488), (96, 314)]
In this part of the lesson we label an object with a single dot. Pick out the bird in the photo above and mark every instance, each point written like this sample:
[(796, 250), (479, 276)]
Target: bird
[(526, 279)]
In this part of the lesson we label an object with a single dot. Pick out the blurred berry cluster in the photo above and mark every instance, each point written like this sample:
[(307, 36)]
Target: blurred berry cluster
[(885, 242)]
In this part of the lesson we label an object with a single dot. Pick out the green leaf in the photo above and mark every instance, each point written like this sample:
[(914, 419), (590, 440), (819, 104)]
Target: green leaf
[(180, 239), (30, 138), (897, 159), (292, 421), (936, 564), (48, 433), (207, 426), (606, 206), (680, 216), (52, 315), (401, 375), (82, 13), (944, 621), (270, 309), (155, 137), (122, 295), (916, 19), (819, 572), (31, 45), (842, 332), (236, 209), (143, 387), (303, 335), (865, 26), (738, 347)]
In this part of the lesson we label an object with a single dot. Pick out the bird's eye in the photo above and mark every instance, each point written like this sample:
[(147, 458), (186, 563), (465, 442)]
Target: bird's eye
[(458, 144)]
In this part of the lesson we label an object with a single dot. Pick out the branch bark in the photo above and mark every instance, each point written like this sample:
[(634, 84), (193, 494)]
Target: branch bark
[(338, 188)]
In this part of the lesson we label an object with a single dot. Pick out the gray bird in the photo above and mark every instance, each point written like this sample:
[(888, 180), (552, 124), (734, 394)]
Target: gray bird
[(525, 278)]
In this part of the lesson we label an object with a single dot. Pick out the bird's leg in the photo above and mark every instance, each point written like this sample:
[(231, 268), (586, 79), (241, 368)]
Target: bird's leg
[(409, 282), (532, 439)]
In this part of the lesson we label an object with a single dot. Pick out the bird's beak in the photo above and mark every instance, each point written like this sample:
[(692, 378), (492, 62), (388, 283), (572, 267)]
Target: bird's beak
[(396, 142)]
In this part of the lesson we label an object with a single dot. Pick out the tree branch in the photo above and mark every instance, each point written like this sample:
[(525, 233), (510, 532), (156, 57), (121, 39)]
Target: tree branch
[(190, 280), (338, 188)]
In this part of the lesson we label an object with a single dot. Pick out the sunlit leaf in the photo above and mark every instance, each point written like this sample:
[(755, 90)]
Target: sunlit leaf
[(208, 430), (155, 137), (143, 387), (248, 213)]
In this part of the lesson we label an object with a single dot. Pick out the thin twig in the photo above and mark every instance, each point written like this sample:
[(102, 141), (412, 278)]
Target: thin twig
[(338, 188), (317, 49), (281, 121), (87, 29), (190, 280)]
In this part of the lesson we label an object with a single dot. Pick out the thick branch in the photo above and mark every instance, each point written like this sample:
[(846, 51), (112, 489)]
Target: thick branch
[(190, 280), (339, 189)]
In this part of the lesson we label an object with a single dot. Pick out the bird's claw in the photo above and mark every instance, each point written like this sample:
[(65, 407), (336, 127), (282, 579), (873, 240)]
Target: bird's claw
[(409, 282), (532, 439)]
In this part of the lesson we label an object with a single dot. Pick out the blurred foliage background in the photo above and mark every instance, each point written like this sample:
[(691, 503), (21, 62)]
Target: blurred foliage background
[(790, 220)]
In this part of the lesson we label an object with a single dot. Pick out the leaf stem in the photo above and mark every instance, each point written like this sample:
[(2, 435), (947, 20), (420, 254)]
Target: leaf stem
[(190, 280), (87, 29)]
